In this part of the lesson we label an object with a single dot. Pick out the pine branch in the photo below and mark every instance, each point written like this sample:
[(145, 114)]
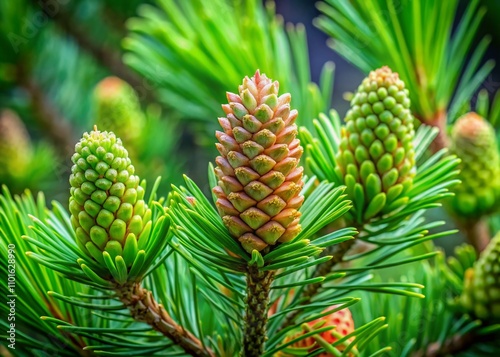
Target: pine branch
[(338, 251), (114, 20), (103, 54), (438, 120), (258, 287), (476, 232), (48, 118), (450, 347), (145, 308)]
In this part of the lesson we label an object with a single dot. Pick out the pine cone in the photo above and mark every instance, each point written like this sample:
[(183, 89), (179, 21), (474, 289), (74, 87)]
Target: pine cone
[(258, 193), (344, 325), (473, 141), (107, 208), (376, 156), (481, 293), (15, 145), (119, 110)]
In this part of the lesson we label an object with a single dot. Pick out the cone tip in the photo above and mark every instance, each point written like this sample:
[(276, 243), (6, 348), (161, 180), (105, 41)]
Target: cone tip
[(471, 125)]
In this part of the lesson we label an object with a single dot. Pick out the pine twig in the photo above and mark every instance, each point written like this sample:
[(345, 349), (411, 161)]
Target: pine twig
[(144, 308), (476, 231), (255, 334), (450, 347), (439, 121), (338, 252), (103, 54), (50, 121)]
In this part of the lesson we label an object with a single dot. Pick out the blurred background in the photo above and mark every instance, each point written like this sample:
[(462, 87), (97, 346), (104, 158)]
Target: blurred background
[(66, 65), (155, 72)]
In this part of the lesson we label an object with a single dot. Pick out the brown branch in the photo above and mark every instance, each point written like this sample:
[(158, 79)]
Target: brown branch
[(255, 334), (101, 52), (144, 308), (48, 118), (337, 252), (476, 232), (114, 20), (450, 347), (439, 120)]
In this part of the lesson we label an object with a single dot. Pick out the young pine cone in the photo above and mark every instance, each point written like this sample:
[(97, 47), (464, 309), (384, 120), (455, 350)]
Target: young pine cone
[(258, 193), (376, 156), (481, 293), (473, 141), (107, 208), (118, 109), (15, 145)]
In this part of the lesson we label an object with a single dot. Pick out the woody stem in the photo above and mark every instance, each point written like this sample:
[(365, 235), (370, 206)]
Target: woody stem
[(144, 308), (255, 333), (451, 346)]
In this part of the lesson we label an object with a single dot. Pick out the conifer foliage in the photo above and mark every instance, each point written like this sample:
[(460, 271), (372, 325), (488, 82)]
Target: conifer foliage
[(312, 233)]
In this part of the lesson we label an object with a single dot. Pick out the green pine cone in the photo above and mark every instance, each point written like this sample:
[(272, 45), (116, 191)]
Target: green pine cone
[(119, 110), (481, 293), (107, 208), (258, 193), (15, 146), (376, 156), (473, 141)]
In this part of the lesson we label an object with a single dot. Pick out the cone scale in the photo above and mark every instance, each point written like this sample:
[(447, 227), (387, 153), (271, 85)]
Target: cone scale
[(259, 180), (376, 156)]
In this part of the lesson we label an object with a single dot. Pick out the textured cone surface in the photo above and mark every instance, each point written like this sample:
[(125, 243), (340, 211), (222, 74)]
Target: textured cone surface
[(15, 145), (118, 109), (473, 141), (107, 208), (258, 192), (344, 325), (481, 293), (376, 156)]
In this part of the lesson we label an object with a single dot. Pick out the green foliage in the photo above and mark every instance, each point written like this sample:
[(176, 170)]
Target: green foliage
[(416, 325), (35, 336), (206, 267), (403, 295), (196, 222), (417, 40), (185, 57)]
